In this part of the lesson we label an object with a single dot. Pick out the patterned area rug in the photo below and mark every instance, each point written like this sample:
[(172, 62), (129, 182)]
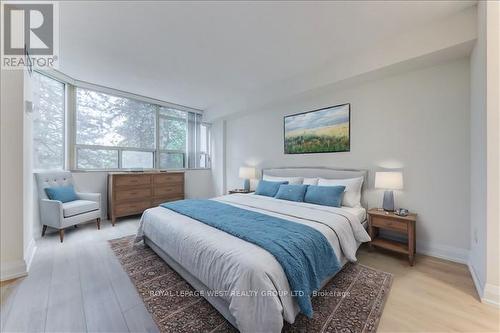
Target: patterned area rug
[(351, 302)]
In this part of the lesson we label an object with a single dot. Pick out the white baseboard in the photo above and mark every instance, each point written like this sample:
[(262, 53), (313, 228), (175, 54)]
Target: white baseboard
[(488, 293), (450, 253), (12, 269), (18, 268), (477, 281), (491, 295), (30, 253)]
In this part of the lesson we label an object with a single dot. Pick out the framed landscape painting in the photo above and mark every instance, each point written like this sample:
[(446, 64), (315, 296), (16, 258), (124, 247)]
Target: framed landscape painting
[(325, 130)]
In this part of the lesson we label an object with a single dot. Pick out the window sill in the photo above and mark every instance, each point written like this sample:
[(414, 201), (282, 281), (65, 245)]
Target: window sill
[(133, 171)]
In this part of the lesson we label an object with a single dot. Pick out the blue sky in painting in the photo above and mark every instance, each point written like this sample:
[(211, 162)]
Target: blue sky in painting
[(328, 117)]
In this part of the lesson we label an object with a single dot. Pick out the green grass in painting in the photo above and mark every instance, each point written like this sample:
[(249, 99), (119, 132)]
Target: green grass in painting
[(324, 139)]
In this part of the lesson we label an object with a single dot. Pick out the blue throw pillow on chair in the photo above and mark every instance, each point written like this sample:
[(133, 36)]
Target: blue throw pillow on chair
[(325, 195), (267, 188), (292, 192), (61, 193)]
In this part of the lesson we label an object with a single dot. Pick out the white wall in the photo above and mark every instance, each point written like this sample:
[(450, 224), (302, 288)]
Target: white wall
[(199, 184), (418, 121), (11, 175), (218, 155), (492, 287), (28, 179), (485, 158)]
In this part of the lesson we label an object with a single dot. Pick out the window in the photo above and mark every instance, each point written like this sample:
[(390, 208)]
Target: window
[(106, 120), (48, 122), (204, 151), (137, 159), (173, 138), (110, 132), (97, 158), (121, 133)]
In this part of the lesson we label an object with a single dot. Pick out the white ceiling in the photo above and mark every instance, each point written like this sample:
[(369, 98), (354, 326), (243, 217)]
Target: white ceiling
[(202, 54)]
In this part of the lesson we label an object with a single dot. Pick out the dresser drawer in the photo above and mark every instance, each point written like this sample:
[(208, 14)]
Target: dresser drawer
[(168, 178), (388, 224), (131, 194), (131, 208), (158, 201), (170, 190), (133, 180)]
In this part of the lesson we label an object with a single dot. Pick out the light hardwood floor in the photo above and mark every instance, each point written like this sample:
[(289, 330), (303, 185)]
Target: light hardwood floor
[(80, 286), (433, 296), (76, 286)]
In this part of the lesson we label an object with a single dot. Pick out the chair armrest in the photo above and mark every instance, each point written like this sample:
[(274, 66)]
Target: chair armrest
[(51, 213), (96, 197)]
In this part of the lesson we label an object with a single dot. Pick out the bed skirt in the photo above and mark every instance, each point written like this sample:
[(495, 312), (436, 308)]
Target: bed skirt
[(217, 302)]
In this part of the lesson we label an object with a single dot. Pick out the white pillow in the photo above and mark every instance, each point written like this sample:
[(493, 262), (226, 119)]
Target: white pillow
[(352, 194), (290, 180), (310, 181)]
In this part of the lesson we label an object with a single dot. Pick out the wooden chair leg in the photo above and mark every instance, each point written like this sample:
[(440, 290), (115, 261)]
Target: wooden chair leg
[(98, 221), (44, 228), (61, 234)]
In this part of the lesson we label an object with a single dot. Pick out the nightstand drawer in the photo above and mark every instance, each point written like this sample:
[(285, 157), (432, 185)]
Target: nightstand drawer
[(389, 224)]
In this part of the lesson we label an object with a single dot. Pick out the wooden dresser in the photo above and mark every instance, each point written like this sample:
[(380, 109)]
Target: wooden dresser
[(131, 193)]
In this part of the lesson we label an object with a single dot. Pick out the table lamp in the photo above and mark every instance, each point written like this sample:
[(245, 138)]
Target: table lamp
[(247, 173), (389, 180)]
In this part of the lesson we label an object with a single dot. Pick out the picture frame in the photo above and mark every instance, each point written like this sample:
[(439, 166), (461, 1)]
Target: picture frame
[(325, 130)]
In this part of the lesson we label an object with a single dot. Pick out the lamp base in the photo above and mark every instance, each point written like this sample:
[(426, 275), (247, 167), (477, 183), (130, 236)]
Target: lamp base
[(246, 184), (388, 204)]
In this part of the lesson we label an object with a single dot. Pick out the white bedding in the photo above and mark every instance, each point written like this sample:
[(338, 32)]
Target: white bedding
[(359, 211), (231, 266)]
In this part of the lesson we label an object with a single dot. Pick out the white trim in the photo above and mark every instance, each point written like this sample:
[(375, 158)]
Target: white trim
[(445, 252), (491, 295), (450, 253), (30, 254), (488, 293), (12, 269), (477, 281)]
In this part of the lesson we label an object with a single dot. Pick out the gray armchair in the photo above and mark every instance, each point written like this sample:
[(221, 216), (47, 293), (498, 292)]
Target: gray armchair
[(59, 215)]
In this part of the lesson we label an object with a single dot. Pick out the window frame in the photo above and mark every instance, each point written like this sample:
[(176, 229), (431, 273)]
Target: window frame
[(184, 152), (65, 163), (207, 154), (70, 147)]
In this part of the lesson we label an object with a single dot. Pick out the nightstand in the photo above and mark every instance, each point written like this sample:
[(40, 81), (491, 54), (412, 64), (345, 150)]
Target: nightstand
[(241, 191), (379, 219)]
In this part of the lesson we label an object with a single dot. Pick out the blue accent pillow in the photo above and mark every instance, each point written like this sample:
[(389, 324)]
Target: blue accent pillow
[(267, 188), (325, 195), (61, 193), (291, 192)]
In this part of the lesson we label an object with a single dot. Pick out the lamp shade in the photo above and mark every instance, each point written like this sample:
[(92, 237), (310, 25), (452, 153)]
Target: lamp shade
[(389, 180), (247, 173)]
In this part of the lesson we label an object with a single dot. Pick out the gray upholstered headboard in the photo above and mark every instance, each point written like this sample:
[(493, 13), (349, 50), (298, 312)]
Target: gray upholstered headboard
[(319, 172)]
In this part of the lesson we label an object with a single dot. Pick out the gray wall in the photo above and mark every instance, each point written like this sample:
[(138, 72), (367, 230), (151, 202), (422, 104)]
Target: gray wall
[(478, 153), (418, 121)]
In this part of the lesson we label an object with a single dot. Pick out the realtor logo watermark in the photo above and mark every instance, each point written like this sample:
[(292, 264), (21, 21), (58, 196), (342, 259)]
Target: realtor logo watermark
[(30, 34)]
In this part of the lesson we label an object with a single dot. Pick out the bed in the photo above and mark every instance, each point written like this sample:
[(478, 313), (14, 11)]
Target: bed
[(244, 282)]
